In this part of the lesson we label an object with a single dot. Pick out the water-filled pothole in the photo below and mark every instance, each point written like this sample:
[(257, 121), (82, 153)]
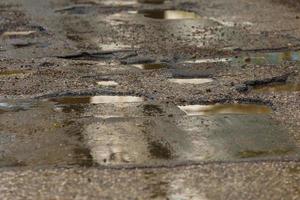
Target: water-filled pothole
[(107, 83), (277, 87), (151, 66), (11, 72), (225, 109), (18, 33), (96, 99), (168, 14), (271, 58), (151, 1), (142, 134)]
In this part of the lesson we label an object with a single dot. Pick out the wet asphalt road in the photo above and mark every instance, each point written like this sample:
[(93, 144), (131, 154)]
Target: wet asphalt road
[(149, 99)]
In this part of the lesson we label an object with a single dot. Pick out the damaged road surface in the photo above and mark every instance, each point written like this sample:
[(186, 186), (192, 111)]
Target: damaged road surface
[(149, 99)]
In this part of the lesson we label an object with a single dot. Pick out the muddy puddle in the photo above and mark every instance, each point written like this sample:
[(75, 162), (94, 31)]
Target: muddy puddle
[(168, 14), (11, 72), (277, 88), (151, 66), (76, 132), (246, 109), (272, 58)]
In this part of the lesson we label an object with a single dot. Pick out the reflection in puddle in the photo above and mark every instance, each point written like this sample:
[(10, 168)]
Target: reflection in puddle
[(286, 87), (192, 81), (107, 83), (151, 66), (146, 134), (37, 135), (273, 58), (136, 141), (225, 109), (115, 47), (14, 106), (168, 14), (11, 72), (18, 33), (96, 99), (209, 60)]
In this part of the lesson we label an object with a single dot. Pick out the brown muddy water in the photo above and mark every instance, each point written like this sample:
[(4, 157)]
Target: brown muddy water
[(72, 131)]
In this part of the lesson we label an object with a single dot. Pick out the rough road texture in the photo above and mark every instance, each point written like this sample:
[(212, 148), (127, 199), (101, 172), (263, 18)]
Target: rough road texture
[(65, 47)]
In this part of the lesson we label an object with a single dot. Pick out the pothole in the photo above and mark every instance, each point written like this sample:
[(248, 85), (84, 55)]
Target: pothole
[(17, 33), (151, 1), (96, 99), (271, 58), (168, 14), (225, 109), (150, 66), (107, 83), (135, 134), (196, 81), (11, 72)]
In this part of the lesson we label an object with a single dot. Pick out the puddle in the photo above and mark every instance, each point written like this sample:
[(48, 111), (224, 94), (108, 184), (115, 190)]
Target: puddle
[(192, 81), (132, 134), (225, 109), (18, 33), (162, 140), (280, 87), (168, 14), (11, 72), (151, 1), (150, 66), (209, 60), (37, 135), (96, 99), (107, 83), (115, 47), (273, 58)]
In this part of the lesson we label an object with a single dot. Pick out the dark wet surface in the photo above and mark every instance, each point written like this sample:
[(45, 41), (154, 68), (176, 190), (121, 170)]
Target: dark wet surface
[(277, 87), (37, 135), (168, 14), (57, 132)]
